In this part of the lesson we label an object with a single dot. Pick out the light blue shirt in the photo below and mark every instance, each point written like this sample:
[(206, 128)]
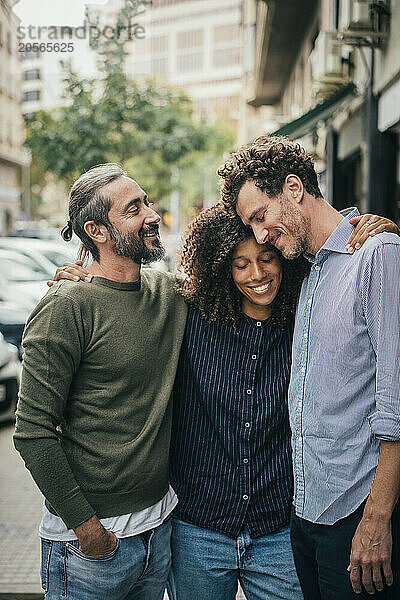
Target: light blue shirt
[(344, 394)]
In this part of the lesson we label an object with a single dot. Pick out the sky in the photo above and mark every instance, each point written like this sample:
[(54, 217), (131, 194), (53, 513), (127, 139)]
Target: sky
[(53, 12)]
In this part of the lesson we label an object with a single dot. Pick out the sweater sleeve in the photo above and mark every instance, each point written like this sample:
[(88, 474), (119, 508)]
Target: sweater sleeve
[(53, 343)]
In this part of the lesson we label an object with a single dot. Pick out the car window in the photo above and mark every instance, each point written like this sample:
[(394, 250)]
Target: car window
[(16, 271)]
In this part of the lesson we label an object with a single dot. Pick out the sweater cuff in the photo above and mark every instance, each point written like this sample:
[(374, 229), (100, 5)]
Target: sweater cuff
[(75, 511)]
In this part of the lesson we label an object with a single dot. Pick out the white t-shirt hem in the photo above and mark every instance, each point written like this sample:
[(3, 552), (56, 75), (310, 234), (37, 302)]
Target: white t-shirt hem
[(54, 529)]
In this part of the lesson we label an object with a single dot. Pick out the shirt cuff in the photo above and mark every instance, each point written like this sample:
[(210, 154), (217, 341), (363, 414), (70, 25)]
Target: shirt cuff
[(385, 426)]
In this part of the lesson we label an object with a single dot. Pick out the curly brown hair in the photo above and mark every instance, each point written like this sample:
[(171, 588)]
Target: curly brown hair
[(267, 162), (205, 268)]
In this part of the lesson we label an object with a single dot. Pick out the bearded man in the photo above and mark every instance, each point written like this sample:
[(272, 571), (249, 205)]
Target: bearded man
[(344, 393), (94, 413)]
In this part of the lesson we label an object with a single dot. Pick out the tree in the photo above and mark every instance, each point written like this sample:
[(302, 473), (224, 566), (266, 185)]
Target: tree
[(115, 119)]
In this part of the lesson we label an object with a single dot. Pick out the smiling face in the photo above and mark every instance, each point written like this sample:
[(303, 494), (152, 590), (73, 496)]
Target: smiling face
[(134, 224), (276, 220), (257, 274)]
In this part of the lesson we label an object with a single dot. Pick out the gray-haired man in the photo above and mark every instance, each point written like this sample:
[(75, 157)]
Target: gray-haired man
[(94, 414)]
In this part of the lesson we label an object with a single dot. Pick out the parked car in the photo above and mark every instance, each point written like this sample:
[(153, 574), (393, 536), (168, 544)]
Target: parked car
[(46, 254), (32, 230), (10, 371), (12, 322), (22, 282)]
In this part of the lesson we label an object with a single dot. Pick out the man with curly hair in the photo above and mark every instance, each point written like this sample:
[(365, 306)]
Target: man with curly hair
[(344, 395)]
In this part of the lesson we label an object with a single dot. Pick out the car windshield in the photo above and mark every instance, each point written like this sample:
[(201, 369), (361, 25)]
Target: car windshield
[(17, 271)]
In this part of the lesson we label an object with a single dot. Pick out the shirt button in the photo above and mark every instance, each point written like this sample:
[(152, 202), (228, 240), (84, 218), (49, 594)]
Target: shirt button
[(245, 460), (309, 301), (254, 356), (249, 391), (245, 497), (258, 323), (317, 268), (303, 370), (247, 424), (305, 336)]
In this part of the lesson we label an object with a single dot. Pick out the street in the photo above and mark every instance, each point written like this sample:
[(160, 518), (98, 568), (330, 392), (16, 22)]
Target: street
[(20, 512)]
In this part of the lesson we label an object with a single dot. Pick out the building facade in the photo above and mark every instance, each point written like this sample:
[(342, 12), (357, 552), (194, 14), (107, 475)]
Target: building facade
[(196, 45), (12, 155), (42, 71), (329, 70)]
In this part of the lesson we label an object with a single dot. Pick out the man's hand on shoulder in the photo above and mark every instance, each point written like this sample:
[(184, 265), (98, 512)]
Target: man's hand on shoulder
[(94, 539), (72, 271)]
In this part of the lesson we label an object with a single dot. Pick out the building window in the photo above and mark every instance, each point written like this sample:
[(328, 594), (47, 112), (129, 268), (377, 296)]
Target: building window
[(159, 44), (31, 54), (186, 40), (140, 69), (32, 74), (225, 57), (226, 33), (190, 62), (151, 46), (159, 66), (32, 96)]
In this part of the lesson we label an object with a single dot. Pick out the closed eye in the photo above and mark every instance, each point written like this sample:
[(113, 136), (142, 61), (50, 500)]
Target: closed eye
[(135, 209), (261, 218)]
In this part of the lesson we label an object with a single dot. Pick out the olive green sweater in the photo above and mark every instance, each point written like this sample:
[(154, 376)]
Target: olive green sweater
[(94, 411)]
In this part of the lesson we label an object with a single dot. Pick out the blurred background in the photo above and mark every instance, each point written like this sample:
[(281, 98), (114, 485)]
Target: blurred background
[(169, 89)]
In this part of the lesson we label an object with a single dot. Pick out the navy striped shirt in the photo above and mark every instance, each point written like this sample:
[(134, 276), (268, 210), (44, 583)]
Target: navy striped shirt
[(230, 452)]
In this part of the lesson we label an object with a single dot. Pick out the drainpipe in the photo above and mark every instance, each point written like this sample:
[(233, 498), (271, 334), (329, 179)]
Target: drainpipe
[(375, 202)]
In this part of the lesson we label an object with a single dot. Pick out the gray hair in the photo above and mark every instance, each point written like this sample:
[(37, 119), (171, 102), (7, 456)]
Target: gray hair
[(87, 203)]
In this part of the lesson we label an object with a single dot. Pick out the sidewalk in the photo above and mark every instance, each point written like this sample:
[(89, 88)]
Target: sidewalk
[(20, 512)]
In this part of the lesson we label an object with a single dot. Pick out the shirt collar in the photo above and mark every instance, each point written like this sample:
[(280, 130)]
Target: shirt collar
[(338, 239)]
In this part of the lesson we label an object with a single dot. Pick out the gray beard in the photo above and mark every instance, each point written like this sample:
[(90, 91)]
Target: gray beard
[(132, 246)]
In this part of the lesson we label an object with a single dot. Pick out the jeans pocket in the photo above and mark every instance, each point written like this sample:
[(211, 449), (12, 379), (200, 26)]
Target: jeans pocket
[(75, 550), (45, 562)]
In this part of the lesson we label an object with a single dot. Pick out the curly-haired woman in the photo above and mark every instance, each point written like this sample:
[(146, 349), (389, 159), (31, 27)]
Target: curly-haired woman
[(230, 452)]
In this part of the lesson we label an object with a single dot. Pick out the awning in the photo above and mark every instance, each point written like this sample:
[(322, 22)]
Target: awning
[(281, 26), (321, 111)]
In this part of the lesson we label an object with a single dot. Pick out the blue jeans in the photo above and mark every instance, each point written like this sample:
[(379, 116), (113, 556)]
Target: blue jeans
[(137, 569), (207, 564)]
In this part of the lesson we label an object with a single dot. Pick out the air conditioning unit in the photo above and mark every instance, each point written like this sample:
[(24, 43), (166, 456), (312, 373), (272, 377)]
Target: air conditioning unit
[(355, 15), (326, 58)]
